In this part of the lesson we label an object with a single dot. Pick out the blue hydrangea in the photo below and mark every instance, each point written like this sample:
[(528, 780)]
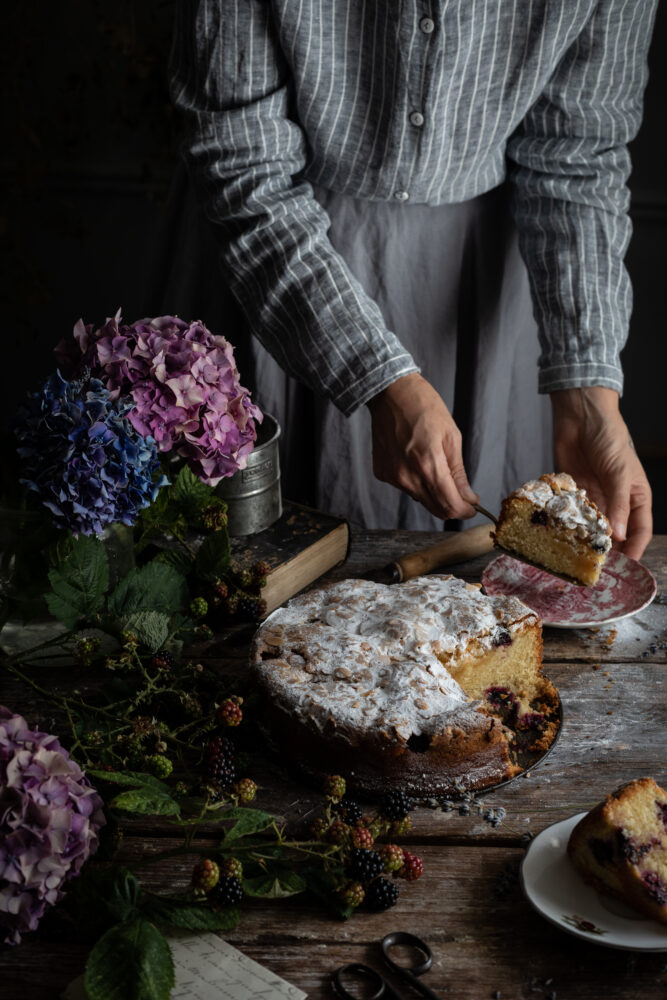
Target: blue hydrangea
[(83, 457)]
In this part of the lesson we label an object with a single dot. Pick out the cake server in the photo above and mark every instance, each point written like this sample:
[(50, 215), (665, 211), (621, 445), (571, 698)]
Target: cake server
[(454, 548)]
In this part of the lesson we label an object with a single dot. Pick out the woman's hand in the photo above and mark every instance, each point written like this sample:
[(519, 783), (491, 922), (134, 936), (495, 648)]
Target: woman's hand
[(592, 443), (417, 447)]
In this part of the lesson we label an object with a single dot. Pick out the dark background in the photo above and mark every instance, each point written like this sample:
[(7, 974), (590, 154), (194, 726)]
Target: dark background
[(90, 144)]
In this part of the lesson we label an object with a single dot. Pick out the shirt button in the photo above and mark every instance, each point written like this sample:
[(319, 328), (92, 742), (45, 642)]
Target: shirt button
[(417, 119), (401, 195), (427, 25)]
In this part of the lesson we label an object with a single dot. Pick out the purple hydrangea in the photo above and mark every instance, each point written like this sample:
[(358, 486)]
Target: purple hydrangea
[(50, 816), (185, 386), (82, 456)]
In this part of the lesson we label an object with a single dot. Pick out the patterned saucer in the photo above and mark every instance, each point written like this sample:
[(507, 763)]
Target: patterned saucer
[(624, 588), (557, 891)]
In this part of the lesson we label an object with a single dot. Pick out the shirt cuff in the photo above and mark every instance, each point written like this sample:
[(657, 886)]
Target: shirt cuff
[(577, 375), (373, 382)]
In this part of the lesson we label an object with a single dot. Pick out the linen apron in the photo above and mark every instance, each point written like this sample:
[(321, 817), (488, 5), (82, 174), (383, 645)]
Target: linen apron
[(451, 284)]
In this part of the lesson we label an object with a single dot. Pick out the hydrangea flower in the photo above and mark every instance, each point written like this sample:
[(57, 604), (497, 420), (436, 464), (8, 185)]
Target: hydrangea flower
[(50, 816), (185, 386), (82, 456)]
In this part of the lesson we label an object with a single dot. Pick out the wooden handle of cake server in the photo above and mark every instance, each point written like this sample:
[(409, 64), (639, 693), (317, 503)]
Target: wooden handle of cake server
[(454, 549)]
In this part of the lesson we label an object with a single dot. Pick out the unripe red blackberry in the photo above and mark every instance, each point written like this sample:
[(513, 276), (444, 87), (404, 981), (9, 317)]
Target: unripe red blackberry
[(246, 789), (214, 517), (260, 569), (231, 868), (353, 894), (413, 867), (392, 855), (205, 874), (339, 832), (334, 786), (362, 838), (221, 589), (204, 632), (244, 578), (230, 713)]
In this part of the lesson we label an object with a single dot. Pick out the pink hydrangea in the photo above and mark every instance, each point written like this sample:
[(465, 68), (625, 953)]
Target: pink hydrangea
[(50, 817), (185, 386)]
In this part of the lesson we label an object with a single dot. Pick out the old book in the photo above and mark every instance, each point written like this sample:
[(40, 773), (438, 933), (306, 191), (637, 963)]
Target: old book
[(300, 546)]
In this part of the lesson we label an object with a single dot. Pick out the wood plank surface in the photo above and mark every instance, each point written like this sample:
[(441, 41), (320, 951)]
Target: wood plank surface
[(468, 905)]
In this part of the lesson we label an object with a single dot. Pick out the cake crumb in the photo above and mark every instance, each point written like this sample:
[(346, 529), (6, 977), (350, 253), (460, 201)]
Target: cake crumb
[(610, 712), (596, 666)]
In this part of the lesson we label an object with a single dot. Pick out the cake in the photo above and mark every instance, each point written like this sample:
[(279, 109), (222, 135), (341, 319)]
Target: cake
[(620, 847), (552, 524), (413, 686)]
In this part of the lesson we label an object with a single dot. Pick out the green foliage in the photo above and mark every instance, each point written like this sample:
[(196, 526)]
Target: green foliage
[(146, 971), (213, 556), (150, 627), (276, 884), (248, 821), (153, 587), (79, 582), (190, 916)]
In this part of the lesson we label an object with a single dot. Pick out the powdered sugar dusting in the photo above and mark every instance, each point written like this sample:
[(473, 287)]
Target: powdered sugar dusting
[(560, 497), (364, 655)]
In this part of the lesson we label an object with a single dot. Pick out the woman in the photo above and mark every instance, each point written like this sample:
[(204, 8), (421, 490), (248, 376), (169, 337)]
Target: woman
[(424, 186)]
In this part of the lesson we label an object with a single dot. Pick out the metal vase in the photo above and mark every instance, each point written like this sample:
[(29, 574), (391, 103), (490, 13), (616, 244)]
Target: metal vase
[(252, 494)]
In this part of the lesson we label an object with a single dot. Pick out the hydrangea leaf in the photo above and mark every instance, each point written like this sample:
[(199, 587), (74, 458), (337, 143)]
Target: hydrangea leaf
[(213, 556), (275, 885), (192, 917), (248, 821), (79, 582), (146, 801), (153, 587), (146, 971), (150, 627)]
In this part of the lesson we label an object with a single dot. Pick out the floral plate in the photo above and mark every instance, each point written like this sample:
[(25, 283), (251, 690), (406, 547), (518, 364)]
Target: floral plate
[(559, 894), (624, 588)]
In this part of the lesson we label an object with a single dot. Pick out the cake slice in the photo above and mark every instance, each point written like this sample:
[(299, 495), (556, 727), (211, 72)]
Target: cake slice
[(620, 847), (552, 524)]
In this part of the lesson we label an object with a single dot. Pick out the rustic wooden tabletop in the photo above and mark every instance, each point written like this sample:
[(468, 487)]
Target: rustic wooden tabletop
[(486, 939)]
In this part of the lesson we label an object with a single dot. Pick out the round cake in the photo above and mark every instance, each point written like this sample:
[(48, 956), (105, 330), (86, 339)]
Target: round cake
[(414, 686)]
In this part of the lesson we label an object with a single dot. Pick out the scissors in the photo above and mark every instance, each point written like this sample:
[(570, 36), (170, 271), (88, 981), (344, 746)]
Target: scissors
[(357, 971)]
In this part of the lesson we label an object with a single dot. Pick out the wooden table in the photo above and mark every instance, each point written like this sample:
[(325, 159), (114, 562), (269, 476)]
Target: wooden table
[(469, 906)]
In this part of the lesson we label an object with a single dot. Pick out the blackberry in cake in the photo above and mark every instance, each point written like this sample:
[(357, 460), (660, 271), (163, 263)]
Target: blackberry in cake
[(412, 687), (620, 847), (552, 524)]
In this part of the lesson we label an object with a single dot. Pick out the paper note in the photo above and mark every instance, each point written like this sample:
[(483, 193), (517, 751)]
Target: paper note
[(207, 968)]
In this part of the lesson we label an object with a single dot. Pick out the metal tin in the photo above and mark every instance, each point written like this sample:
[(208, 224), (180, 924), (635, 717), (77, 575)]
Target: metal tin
[(252, 494)]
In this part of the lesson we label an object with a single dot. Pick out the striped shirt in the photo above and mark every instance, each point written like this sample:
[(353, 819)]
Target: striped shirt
[(429, 101)]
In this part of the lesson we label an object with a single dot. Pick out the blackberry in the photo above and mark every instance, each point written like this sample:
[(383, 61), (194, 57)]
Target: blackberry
[(220, 761), (246, 789), (353, 894), (198, 607), (231, 868), (338, 832), (162, 660), (204, 632), (318, 828), (230, 713), (413, 867), (381, 894), (220, 746), (250, 608), (205, 875), (349, 810), (363, 838), (227, 892), (334, 786), (260, 571), (396, 805), (392, 856), (363, 864), (214, 516), (160, 765), (400, 826)]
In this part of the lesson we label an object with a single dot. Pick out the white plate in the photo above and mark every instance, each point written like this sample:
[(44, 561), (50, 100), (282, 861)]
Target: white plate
[(557, 891), (624, 588)]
